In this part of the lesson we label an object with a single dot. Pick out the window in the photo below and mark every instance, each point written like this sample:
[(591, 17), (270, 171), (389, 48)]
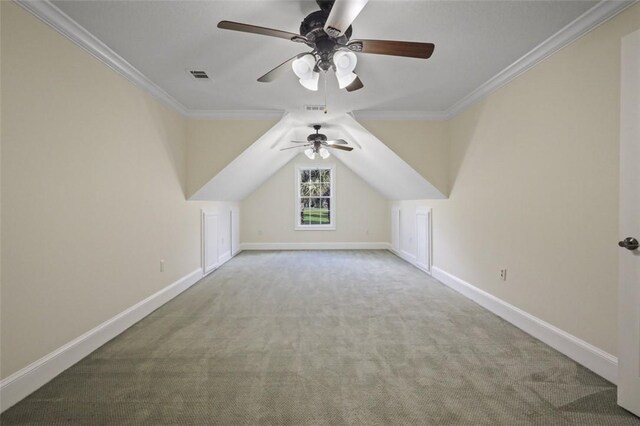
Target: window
[(315, 206)]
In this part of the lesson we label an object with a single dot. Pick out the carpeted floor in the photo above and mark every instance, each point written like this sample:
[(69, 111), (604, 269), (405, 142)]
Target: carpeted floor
[(323, 338)]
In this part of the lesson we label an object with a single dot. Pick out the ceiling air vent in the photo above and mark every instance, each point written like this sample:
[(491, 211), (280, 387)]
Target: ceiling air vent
[(320, 108), (199, 75)]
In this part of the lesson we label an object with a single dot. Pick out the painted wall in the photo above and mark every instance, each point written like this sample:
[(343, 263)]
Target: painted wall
[(421, 144), (93, 192), (267, 215), (534, 189), (212, 144)]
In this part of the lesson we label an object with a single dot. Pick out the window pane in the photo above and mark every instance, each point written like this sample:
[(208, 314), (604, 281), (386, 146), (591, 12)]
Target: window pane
[(305, 189), (315, 175), (304, 176), (326, 207), (316, 189), (304, 207), (314, 211), (325, 175), (325, 189)]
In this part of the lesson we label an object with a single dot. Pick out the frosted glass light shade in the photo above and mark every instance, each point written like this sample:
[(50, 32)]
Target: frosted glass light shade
[(345, 79), (303, 67), (324, 153), (345, 62), (311, 82), (310, 153)]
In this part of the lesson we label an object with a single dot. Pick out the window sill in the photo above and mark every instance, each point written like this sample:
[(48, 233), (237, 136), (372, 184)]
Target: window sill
[(315, 228)]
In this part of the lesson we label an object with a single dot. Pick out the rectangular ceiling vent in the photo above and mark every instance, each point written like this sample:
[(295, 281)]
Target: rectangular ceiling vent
[(320, 108), (199, 74)]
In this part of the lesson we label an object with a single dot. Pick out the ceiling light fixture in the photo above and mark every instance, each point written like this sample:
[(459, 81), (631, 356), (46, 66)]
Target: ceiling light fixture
[(304, 68), (345, 63), (309, 152), (324, 153)]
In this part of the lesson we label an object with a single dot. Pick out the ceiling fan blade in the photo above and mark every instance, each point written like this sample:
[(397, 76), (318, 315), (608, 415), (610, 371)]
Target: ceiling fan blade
[(344, 148), (343, 13), (411, 49), (299, 141), (253, 29), (355, 85), (292, 147), (280, 69), (337, 142)]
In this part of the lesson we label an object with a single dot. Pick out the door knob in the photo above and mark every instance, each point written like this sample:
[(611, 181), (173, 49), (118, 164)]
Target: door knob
[(629, 243)]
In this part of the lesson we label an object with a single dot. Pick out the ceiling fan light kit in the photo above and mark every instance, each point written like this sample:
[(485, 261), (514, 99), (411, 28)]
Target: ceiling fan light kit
[(324, 153), (345, 64), (304, 68), (328, 33), (309, 152)]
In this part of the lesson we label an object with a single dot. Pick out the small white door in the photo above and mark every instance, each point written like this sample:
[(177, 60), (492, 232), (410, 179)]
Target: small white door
[(235, 232), (423, 239), (395, 229), (210, 246), (629, 258)]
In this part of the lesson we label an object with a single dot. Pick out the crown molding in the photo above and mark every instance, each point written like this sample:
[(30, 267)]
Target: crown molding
[(61, 22), (263, 114), (401, 115), (592, 18)]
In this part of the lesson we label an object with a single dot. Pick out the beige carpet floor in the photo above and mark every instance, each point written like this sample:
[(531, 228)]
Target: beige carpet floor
[(323, 338)]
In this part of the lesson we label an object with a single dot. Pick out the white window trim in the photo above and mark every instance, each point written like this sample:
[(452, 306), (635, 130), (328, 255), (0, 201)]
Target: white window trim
[(332, 198)]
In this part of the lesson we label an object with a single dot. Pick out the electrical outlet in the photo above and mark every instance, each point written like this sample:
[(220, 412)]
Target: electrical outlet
[(162, 266), (503, 274)]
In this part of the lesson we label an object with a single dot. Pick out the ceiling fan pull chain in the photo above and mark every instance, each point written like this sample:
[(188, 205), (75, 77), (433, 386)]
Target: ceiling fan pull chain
[(325, 92)]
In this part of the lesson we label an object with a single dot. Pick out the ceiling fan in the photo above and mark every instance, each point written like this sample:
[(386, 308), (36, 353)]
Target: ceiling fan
[(328, 33), (318, 144)]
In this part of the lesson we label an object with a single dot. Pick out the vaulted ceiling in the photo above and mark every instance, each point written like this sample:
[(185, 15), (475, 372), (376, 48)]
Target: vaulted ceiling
[(475, 40), (371, 159)]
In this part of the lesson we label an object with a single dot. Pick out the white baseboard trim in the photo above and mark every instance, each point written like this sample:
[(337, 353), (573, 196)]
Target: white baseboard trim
[(27, 380), (593, 358), (314, 246), (225, 258), (410, 258)]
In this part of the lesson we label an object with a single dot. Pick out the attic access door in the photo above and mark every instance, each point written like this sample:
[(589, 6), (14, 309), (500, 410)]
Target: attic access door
[(210, 233), (628, 252), (423, 239)]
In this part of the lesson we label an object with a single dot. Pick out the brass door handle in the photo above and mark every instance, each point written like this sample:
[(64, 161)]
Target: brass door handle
[(629, 243)]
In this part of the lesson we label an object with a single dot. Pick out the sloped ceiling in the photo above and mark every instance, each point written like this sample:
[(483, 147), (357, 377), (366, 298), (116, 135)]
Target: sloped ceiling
[(371, 159)]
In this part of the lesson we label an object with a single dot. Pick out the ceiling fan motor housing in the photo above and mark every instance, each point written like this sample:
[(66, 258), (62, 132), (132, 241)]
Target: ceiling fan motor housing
[(312, 27), (317, 137)]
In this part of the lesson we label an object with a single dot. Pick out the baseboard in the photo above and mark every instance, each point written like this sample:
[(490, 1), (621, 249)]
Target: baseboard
[(314, 246), (410, 258), (225, 258), (25, 381), (593, 358)]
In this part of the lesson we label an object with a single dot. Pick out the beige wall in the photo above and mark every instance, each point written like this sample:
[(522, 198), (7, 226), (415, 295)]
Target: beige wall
[(212, 144), (534, 173), (267, 215), (93, 190), (421, 144)]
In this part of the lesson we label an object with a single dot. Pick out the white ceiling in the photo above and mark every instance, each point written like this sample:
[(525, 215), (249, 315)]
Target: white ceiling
[(370, 159), (475, 40)]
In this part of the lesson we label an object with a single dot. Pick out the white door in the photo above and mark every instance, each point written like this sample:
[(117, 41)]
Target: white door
[(395, 229), (210, 250), (629, 258), (235, 232), (423, 239)]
